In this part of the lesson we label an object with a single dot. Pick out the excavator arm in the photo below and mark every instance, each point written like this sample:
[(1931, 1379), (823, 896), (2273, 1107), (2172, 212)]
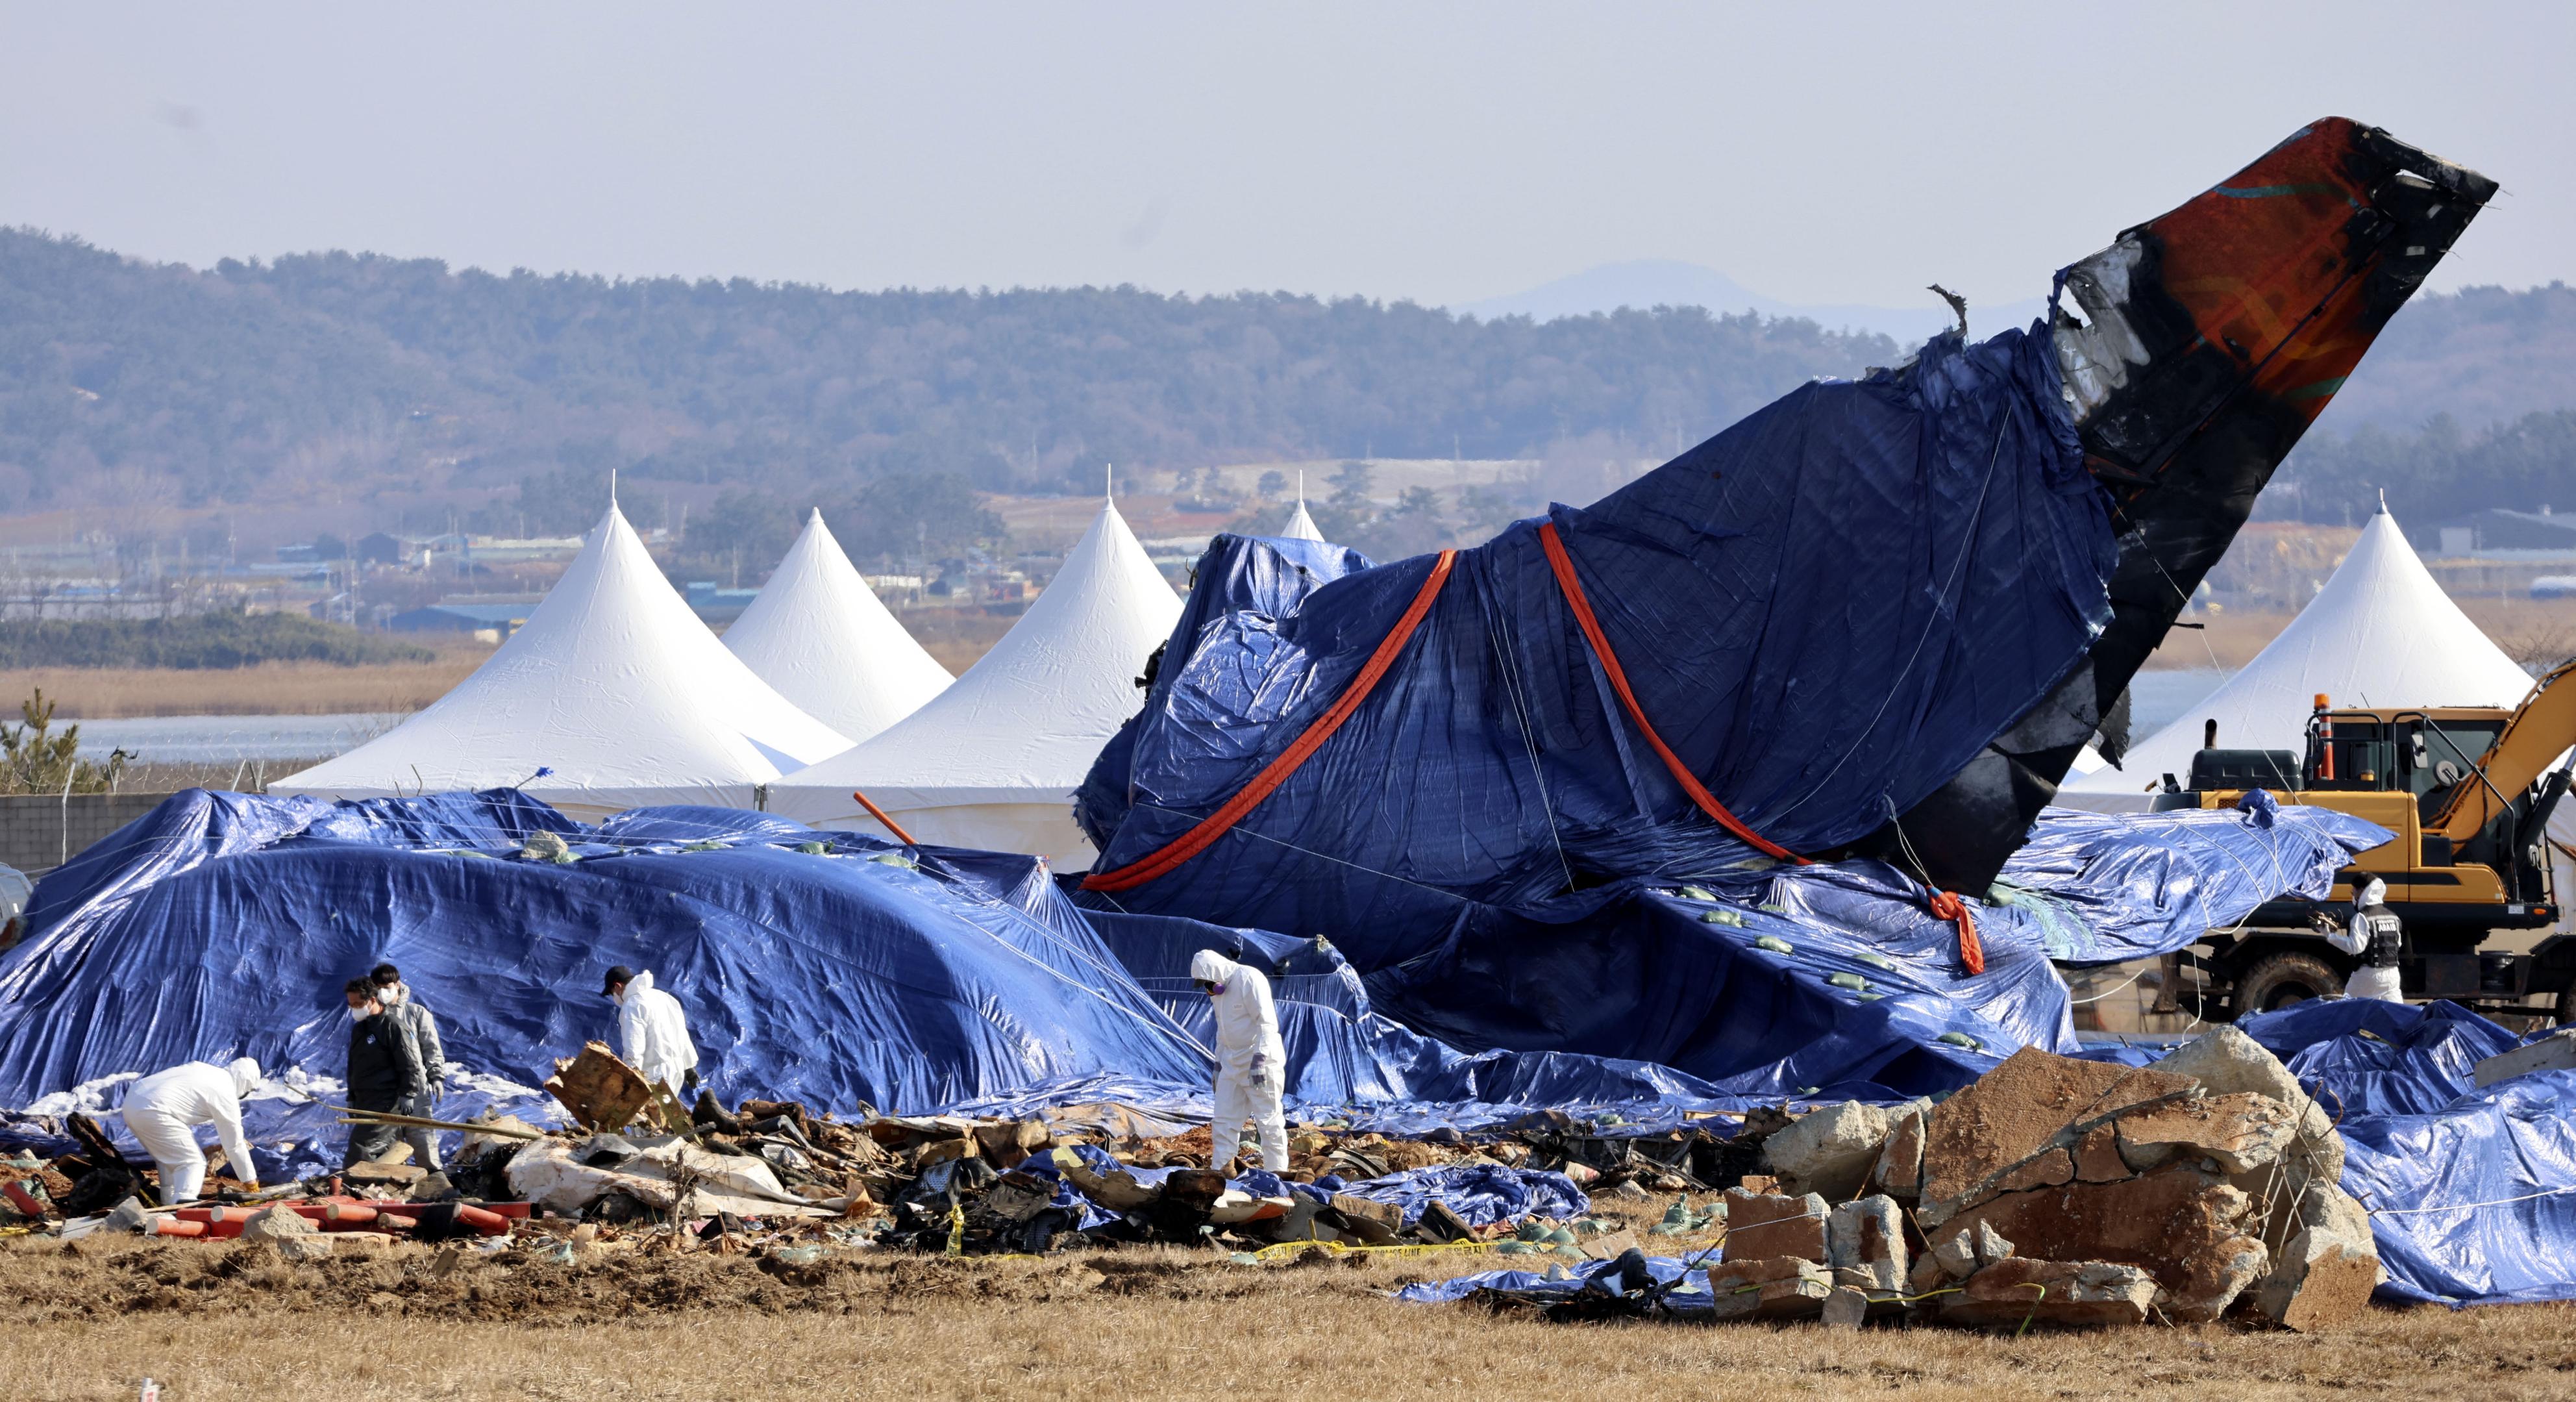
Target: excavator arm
[(2541, 729)]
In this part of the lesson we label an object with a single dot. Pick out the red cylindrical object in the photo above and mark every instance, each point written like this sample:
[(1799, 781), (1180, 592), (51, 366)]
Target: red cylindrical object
[(348, 1217), (23, 1200), (172, 1226), (487, 1222)]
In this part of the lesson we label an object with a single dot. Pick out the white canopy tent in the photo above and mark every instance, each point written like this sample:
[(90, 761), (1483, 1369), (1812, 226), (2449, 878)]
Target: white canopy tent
[(2380, 633), (818, 635), (993, 761), (1301, 526), (613, 686)]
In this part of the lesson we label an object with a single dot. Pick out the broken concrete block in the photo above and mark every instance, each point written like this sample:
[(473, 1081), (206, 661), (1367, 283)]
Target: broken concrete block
[(1869, 1236), (1829, 1152), (305, 1248), (2224, 1060), (1786, 1287), (1991, 1245), (2047, 1171), (2033, 1103), (2097, 1155), (2321, 1281), (2240, 1130), (1846, 1308), (2072, 1293), (276, 1224), (1926, 1276), (2214, 1277), (2555, 1052), (1956, 1254), (1899, 1171), (2188, 1228), (1765, 1226)]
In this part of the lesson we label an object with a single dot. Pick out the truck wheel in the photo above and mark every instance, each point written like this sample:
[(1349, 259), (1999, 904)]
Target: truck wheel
[(2283, 979)]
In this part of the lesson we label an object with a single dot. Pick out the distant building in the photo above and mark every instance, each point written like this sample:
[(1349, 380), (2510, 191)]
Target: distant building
[(717, 605), (491, 622), (2500, 533), (383, 549)]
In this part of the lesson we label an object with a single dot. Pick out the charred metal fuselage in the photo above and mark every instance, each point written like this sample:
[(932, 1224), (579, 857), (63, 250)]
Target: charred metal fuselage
[(2198, 348)]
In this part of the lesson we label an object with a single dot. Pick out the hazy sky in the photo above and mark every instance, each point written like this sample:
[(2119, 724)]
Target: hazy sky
[(1816, 153)]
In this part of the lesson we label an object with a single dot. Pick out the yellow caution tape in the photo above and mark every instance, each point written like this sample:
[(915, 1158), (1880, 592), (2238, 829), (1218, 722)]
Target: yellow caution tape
[(1290, 1250)]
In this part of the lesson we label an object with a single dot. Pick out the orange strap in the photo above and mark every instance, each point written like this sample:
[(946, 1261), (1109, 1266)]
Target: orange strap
[(1189, 844), (1972, 950), (1572, 588), (880, 815)]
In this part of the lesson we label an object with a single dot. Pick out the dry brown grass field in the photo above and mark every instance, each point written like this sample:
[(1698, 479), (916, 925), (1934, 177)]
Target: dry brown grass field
[(270, 689), (213, 1321)]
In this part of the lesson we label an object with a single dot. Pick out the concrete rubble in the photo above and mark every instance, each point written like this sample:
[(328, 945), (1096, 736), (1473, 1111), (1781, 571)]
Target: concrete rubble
[(2051, 1191)]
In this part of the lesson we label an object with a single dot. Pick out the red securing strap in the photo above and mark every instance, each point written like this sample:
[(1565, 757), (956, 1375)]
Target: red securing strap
[(1972, 950), (1572, 588), (1272, 775)]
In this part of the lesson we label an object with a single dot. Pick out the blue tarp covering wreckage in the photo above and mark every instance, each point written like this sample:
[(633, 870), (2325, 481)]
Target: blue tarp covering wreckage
[(849, 973), (1825, 610)]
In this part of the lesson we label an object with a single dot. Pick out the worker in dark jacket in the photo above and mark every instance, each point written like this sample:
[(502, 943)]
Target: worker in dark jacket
[(384, 1069), (399, 1001)]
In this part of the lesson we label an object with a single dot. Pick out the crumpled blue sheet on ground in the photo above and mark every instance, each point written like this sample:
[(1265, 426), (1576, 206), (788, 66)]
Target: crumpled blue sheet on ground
[(2472, 1193), (1483, 1194), (1691, 1296)]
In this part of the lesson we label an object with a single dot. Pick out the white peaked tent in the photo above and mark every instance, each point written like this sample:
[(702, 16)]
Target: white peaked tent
[(993, 761), (2380, 633), (1301, 526), (615, 686), (823, 640)]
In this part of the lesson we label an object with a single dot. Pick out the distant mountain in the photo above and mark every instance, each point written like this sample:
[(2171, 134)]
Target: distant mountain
[(1663, 283), (256, 381)]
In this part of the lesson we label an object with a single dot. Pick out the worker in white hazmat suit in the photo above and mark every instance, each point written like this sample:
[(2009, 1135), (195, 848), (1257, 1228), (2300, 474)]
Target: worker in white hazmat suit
[(2374, 933), (164, 1110), (653, 1031), (1251, 1065)]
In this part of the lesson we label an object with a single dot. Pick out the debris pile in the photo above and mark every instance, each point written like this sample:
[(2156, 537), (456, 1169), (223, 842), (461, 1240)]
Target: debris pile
[(638, 1169), (2051, 1191)]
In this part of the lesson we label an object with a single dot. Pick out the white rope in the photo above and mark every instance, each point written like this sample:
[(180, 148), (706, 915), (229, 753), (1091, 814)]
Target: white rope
[(2465, 1206)]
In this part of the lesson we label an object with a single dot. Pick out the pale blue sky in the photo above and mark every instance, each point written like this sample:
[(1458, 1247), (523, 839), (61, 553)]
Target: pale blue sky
[(1826, 153)]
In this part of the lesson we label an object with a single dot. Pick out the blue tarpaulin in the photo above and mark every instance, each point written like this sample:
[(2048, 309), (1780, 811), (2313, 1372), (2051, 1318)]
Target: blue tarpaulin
[(838, 970), (2472, 1193), (849, 975), (1826, 610), (1481, 1194)]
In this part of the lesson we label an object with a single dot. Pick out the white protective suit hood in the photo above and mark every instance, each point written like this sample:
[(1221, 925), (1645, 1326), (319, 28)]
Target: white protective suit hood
[(2376, 893), (1208, 966), (654, 1032), (245, 1073)]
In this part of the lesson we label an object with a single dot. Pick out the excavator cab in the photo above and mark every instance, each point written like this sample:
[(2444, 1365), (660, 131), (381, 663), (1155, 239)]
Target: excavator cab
[(2468, 791)]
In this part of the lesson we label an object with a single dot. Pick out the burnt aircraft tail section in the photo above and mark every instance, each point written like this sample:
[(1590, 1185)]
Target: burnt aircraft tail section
[(2197, 349)]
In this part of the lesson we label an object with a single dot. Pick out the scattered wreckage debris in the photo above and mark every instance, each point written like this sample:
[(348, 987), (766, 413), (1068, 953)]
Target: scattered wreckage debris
[(2051, 1191)]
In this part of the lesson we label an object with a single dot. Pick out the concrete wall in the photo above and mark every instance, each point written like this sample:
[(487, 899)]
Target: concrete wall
[(35, 829)]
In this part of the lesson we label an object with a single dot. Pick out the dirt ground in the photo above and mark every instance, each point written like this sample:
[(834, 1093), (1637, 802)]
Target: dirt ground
[(227, 1321)]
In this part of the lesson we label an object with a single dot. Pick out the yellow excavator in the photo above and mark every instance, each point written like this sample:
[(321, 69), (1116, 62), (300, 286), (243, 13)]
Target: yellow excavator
[(2469, 791)]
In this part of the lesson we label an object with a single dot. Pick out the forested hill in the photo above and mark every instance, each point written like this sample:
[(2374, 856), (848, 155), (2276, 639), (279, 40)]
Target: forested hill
[(369, 368), (252, 382)]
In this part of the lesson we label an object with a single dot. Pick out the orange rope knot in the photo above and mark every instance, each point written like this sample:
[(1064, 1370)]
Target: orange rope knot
[(1946, 905)]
